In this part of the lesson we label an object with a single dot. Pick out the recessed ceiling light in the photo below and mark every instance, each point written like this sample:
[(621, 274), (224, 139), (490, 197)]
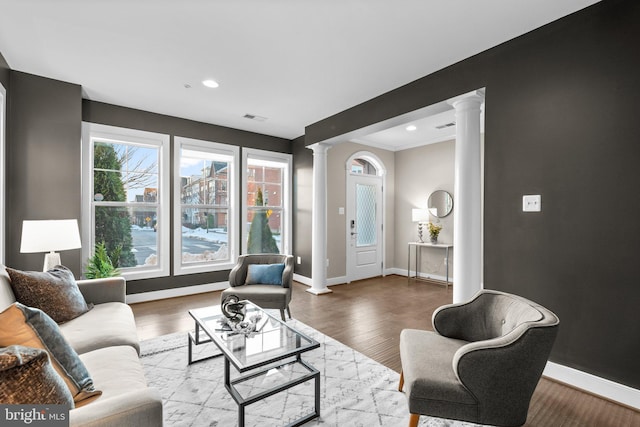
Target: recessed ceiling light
[(210, 83), (411, 128)]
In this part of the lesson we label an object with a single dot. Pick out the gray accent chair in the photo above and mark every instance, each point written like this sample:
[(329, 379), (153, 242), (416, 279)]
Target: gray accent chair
[(482, 362), (265, 296)]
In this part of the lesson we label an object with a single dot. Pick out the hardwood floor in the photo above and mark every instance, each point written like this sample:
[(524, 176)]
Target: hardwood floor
[(368, 316)]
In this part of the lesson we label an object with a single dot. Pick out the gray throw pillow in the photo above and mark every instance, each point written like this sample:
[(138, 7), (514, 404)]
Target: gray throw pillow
[(55, 292), (27, 377)]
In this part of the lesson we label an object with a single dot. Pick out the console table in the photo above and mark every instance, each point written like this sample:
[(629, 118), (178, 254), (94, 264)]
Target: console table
[(418, 257)]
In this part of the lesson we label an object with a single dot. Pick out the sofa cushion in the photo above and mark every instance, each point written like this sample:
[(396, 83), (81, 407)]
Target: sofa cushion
[(264, 274), (126, 398), (27, 377), (433, 387), (115, 370), (55, 292), (106, 325), (30, 327)]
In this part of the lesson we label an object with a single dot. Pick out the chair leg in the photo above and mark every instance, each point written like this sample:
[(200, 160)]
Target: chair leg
[(282, 315), (289, 312), (413, 418)]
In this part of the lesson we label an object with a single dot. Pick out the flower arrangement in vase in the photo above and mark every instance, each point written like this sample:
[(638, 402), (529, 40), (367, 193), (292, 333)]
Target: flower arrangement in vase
[(434, 231)]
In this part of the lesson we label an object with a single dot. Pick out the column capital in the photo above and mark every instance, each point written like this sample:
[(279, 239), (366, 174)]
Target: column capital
[(319, 147), (468, 100)]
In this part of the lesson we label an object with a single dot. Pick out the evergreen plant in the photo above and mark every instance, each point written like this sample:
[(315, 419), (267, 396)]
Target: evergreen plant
[(100, 265), (112, 226), (260, 240)]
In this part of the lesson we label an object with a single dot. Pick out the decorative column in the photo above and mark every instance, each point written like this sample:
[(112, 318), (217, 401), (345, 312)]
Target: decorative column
[(467, 223), (319, 221)]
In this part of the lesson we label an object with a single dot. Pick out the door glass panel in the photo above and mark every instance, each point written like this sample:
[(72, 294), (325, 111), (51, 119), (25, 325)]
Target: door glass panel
[(365, 215)]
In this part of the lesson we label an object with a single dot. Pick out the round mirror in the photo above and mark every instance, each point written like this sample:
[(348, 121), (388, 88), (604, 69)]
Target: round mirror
[(440, 203)]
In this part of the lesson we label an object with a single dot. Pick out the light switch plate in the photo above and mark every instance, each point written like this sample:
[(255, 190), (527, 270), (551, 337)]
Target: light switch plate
[(531, 203)]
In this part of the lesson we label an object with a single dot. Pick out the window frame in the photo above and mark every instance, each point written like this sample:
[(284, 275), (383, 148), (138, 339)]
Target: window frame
[(233, 151), (287, 214), (92, 131)]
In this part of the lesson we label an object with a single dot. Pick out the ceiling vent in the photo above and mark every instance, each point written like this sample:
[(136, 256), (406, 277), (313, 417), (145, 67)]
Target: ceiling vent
[(254, 117), (446, 125)]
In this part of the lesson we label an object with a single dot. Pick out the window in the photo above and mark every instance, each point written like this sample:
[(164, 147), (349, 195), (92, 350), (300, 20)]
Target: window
[(363, 167), (125, 198), (204, 206), (267, 208)]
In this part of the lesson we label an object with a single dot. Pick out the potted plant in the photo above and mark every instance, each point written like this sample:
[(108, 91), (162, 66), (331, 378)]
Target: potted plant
[(100, 264), (434, 231)]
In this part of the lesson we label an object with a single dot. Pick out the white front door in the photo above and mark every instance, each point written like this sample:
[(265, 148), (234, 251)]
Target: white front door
[(364, 226)]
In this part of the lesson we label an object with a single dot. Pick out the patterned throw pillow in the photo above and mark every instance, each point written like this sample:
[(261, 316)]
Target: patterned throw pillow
[(30, 327), (27, 377), (264, 274), (55, 292)]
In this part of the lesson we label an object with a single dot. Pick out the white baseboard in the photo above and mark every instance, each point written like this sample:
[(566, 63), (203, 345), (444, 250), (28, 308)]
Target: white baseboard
[(330, 282), (176, 292), (302, 279), (600, 386), (341, 280), (398, 271), (402, 272)]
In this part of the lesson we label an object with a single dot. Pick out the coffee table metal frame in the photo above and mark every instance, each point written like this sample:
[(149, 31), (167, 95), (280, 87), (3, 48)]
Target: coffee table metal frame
[(290, 357)]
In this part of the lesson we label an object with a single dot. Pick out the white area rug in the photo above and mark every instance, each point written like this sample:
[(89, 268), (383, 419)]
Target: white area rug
[(355, 390)]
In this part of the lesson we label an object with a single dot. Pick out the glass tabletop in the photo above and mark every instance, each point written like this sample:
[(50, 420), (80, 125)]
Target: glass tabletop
[(274, 340)]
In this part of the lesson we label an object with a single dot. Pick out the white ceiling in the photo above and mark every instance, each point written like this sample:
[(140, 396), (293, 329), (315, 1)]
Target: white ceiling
[(294, 62), (426, 132)]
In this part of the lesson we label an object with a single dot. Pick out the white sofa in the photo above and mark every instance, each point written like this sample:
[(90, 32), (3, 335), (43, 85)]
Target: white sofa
[(107, 342)]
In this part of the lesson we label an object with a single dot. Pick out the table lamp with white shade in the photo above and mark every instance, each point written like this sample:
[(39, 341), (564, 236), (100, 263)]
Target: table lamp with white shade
[(50, 236), (420, 216)]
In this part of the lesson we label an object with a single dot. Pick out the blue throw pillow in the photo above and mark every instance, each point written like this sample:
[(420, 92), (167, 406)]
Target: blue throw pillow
[(265, 274)]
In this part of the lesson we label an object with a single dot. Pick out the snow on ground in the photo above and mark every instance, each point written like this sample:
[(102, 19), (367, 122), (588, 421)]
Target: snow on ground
[(214, 235)]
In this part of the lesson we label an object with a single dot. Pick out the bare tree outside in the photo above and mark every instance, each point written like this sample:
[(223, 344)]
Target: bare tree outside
[(144, 176)]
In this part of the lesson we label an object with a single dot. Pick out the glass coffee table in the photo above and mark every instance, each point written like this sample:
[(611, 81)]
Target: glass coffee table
[(275, 348)]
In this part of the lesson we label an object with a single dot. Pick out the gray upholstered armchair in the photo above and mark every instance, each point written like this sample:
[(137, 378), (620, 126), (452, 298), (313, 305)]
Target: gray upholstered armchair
[(272, 295), (483, 361)]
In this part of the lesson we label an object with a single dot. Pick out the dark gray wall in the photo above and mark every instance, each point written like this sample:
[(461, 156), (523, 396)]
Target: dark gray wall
[(561, 121), (43, 161), (96, 112), (4, 72), (302, 202), (4, 81), (113, 115)]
